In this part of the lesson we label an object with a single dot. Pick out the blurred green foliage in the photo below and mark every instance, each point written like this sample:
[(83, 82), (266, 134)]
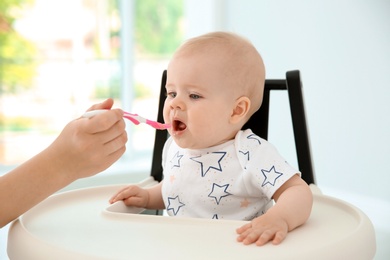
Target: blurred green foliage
[(158, 26), (15, 123), (158, 32), (17, 65)]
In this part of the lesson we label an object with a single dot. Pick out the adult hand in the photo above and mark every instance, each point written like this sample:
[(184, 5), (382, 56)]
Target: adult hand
[(87, 146)]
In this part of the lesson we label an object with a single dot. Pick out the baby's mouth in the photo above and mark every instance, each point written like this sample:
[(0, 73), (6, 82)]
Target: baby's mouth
[(178, 125)]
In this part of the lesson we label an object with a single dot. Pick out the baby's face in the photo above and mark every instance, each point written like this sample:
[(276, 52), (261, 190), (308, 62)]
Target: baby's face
[(199, 101)]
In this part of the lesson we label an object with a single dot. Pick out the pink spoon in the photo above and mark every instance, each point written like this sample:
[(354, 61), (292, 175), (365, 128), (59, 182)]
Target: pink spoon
[(135, 118)]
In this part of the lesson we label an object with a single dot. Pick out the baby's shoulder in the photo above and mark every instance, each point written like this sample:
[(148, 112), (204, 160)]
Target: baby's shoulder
[(246, 139)]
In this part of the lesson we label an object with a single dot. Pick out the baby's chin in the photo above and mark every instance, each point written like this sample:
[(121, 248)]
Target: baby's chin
[(186, 143), (183, 143)]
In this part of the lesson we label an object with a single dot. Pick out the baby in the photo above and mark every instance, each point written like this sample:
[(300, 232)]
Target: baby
[(212, 168)]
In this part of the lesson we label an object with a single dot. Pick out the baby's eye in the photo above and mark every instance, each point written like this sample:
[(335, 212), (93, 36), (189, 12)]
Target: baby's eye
[(171, 94), (195, 96)]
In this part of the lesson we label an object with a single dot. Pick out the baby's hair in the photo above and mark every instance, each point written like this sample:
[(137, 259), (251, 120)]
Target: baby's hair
[(245, 62)]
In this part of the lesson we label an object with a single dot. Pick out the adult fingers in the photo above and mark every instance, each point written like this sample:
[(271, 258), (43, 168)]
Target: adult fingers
[(103, 121), (106, 104), (115, 155), (116, 133), (116, 145)]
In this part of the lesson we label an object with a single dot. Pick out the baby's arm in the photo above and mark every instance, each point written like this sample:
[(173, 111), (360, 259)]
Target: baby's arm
[(293, 206), (133, 195)]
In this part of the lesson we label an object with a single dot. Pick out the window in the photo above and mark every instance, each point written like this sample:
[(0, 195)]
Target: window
[(57, 58)]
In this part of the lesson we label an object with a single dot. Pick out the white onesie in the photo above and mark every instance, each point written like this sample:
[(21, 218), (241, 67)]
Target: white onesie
[(235, 180)]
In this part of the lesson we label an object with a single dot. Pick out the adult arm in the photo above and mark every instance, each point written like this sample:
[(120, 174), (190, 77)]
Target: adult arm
[(84, 148)]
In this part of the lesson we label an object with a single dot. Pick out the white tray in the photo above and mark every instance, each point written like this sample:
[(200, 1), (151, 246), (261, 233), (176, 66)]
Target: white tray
[(82, 225)]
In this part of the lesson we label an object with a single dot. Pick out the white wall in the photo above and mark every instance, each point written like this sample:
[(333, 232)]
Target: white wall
[(342, 48)]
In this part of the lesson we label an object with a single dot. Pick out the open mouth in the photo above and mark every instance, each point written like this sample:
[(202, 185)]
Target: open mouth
[(178, 125)]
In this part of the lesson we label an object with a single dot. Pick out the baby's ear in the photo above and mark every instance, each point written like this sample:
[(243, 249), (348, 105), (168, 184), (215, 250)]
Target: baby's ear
[(240, 110)]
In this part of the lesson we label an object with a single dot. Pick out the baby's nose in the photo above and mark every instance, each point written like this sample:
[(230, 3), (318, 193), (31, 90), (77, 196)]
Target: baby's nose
[(177, 103)]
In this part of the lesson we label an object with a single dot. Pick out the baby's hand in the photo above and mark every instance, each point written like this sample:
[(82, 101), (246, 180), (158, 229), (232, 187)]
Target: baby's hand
[(132, 195), (263, 229)]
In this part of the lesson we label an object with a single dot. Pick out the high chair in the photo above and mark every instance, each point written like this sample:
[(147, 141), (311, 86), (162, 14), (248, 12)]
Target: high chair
[(81, 224)]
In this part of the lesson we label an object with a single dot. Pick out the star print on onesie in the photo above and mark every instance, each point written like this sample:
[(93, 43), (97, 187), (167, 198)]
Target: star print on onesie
[(234, 180), (212, 161), (270, 176), (176, 160), (218, 192), (174, 204)]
